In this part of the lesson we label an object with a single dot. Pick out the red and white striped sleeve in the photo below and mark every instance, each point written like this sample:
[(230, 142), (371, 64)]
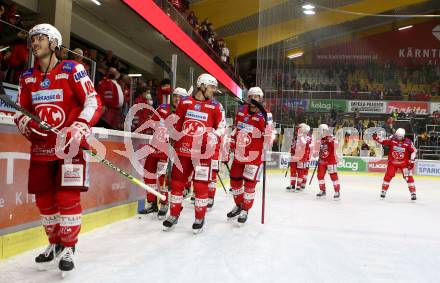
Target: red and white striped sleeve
[(87, 96)]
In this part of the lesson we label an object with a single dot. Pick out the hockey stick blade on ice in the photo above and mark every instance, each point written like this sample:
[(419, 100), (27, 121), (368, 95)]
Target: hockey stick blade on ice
[(102, 160)]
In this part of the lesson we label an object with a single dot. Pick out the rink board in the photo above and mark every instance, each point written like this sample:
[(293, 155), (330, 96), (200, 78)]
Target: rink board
[(110, 198)]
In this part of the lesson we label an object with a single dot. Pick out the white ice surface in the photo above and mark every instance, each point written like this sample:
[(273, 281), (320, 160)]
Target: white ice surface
[(357, 239)]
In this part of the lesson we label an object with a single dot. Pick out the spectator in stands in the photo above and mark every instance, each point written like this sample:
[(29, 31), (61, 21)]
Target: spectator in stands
[(192, 19), (109, 60), (177, 4), (78, 56), (371, 123), (224, 51), (112, 99), (18, 59), (144, 114), (125, 82), (63, 53), (360, 127), (164, 90)]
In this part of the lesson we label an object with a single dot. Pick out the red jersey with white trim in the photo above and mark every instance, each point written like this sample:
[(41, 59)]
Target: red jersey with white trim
[(160, 136), (67, 94), (197, 120), (302, 145), (142, 115), (401, 151), (248, 135), (327, 152)]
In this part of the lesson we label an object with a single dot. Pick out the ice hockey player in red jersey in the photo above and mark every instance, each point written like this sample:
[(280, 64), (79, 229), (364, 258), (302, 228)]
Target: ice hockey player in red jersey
[(401, 156), (61, 94), (157, 160), (247, 141), (328, 161), (300, 157), (201, 121)]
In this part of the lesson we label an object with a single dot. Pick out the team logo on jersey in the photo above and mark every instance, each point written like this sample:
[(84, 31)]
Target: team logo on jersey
[(47, 96), (45, 83), (197, 107), (51, 114), (243, 139), (246, 119), (398, 155), (324, 153), (196, 115), (193, 128), (68, 66)]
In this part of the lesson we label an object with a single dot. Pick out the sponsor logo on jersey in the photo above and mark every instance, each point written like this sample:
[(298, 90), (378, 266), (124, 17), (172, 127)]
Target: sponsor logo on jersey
[(196, 115), (79, 75), (52, 114), (193, 128), (245, 127), (210, 106), (47, 96), (30, 80), (61, 76), (240, 114), (256, 119), (45, 83), (187, 102), (398, 149), (197, 107)]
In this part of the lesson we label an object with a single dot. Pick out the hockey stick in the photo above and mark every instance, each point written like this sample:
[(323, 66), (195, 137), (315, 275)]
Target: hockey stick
[(221, 181), (164, 66), (263, 203), (102, 160)]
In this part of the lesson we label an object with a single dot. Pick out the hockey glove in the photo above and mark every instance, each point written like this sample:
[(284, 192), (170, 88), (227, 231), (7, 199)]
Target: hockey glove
[(78, 133), (31, 130)]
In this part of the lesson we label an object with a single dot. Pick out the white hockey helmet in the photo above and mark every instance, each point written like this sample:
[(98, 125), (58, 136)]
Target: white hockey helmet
[(255, 91), (323, 129), (49, 30), (304, 128), (180, 91), (206, 79), (400, 134)]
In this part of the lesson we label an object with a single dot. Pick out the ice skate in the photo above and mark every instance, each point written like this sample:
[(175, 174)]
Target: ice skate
[(150, 207), (163, 210), (337, 196), (242, 218), (198, 226), (45, 259), (210, 203), (66, 263), (413, 196), (234, 212), (170, 222), (289, 188), (321, 194), (383, 194)]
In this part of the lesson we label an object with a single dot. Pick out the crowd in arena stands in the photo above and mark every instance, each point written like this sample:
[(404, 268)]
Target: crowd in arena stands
[(204, 28), (370, 81), (13, 44)]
